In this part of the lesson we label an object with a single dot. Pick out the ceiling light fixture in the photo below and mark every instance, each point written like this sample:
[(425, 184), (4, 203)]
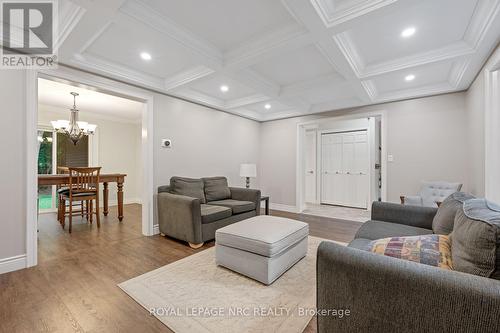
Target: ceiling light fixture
[(410, 77), (145, 56), (73, 128), (224, 88), (267, 106), (408, 32)]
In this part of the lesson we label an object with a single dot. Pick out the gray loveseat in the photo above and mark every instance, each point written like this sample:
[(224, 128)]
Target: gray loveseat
[(385, 294), (193, 209)]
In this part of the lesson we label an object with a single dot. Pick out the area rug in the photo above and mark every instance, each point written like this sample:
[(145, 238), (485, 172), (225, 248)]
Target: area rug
[(194, 295)]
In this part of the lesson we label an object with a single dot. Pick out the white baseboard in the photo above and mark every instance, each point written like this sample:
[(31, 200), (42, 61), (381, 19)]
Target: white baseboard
[(283, 208), (156, 229), (13, 263)]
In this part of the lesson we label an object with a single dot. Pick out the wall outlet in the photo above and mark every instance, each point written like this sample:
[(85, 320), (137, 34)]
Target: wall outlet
[(166, 143)]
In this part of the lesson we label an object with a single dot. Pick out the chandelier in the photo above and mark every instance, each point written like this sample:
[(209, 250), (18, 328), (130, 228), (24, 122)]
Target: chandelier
[(73, 128)]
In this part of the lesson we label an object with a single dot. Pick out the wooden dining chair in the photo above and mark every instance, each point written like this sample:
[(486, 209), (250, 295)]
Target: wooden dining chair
[(83, 186), (60, 189)]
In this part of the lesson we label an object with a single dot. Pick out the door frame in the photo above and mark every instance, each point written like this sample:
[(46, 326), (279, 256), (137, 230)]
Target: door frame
[(300, 152), (491, 131), (105, 85), (314, 134)]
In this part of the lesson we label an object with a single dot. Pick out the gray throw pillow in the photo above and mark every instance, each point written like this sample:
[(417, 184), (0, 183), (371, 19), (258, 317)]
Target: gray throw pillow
[(216, 188), (189, 187), (475, 247), (442, 223)]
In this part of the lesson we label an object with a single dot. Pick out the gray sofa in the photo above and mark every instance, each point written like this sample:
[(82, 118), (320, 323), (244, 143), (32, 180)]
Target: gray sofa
[(385, 294), (193, 209)]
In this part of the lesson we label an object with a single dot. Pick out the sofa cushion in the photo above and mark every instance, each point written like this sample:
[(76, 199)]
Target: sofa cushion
[(445, 216), (379, 229), (210, 213), (476, 239), (216, 188), (360, 243), (264, 235), (236, 206), (432, 250), (189, 187)]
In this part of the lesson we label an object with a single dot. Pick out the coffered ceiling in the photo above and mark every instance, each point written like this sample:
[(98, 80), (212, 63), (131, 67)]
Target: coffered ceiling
[(282, 58)]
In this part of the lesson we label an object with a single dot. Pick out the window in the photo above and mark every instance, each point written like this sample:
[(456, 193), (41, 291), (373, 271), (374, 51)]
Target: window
[(52, 154)]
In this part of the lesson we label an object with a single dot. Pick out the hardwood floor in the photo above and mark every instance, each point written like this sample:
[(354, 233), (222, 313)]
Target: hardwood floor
[(73, 288)]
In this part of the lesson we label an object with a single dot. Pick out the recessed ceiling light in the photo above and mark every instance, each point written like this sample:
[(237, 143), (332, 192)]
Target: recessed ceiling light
[(410, 77), (408, 32), (267, 106), (145, 56), (224, 88)]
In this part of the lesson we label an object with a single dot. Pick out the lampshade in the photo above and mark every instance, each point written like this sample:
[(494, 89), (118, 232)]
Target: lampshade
[(248, 170)]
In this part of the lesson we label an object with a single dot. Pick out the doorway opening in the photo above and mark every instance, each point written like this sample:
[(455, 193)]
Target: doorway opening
[(121, 145), (341, 166)]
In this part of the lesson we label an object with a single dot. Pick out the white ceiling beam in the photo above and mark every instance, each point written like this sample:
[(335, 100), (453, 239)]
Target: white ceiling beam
[(187, 76)]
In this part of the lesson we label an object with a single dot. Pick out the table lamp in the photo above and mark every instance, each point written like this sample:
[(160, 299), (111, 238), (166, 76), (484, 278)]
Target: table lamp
[(248, 170)]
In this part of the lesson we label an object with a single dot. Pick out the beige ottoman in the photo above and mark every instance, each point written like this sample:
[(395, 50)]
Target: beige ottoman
[(262, 247)]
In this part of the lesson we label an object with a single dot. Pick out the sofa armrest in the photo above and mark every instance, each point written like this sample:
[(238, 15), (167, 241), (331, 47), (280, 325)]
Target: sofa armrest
[(179, 216), (246, 194), (413, 200), (414, 216), (385, 294)]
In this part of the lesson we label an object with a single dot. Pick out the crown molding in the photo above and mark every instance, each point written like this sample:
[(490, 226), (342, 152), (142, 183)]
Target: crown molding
[(481, 22), (457, 73), (282, 40), (348, 48), (205, 99), (252, 99), (70, 15), (148, 16), (98, 64), (331, 16), (94, 37), (402, 94), (252, 79), (370, 89), (187, 76), (335, 105)]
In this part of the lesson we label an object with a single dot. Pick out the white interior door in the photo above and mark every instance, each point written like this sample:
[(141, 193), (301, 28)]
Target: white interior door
[(344, 169), (310, 167)]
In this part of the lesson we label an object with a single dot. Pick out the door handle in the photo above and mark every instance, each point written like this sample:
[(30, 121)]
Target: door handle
[(310, 171)]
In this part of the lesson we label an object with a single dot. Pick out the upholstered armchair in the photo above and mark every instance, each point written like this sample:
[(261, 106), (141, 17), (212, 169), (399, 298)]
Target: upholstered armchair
[(431, 194)]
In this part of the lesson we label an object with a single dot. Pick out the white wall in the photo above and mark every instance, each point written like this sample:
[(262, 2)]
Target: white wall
[(475, 106), (425, 136), (13, 164), (119, 148), (205, 142)]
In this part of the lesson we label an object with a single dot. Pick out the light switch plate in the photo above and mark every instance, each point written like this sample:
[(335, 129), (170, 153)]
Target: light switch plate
[(390, 158)]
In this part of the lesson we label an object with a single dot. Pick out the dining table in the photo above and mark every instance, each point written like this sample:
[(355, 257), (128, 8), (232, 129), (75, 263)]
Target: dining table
[(105, 179)]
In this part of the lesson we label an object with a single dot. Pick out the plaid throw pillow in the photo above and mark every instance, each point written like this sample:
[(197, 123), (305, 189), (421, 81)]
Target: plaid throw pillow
[(433, 250)]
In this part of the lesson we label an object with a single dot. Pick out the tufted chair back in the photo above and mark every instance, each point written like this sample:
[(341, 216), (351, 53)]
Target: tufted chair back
[(436, 191)]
